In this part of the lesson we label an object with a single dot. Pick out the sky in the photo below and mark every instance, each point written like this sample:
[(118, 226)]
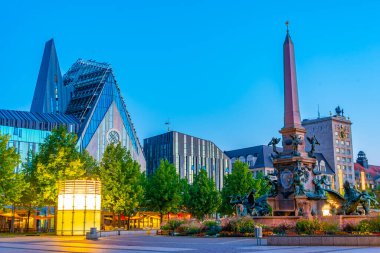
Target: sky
[(213, 68)]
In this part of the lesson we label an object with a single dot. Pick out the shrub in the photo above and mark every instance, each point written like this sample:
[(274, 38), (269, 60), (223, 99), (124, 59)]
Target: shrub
[(282, 228), (330, 228), (190, 228), (245, 225), (212, 227), (307, 227), (239, 225), (174, 224), (349, 228), (210, 223), (375, 225), (364, 226), (229, 224), (165, 227)]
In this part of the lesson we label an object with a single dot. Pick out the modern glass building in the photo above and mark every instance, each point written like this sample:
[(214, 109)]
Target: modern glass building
[(87, 100), (27, 130), (189, 154)]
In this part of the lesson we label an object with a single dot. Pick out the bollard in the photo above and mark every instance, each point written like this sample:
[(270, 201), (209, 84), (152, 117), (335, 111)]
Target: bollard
[(258, 234), (92, 235)]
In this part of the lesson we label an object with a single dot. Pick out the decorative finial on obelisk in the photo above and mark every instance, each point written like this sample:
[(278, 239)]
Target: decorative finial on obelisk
[(287, 26)]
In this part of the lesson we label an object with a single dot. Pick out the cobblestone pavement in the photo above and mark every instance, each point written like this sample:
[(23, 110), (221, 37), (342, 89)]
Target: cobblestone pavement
[(154, 244)]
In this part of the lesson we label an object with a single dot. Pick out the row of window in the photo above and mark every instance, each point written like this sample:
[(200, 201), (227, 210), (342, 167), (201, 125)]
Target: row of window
[(346, 143), (250, 160), (344, 167), (343, 159), (343, 151)]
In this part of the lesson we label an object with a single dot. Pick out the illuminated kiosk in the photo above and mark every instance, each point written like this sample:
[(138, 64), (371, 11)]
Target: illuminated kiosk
[(79, 203)]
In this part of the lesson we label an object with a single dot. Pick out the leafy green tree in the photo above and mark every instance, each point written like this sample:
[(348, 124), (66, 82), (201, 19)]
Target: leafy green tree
[(28, 199), (163, 191), (12, 184), (122, 190), (204, 199), (239, 182), (58, 160), (260, 184)]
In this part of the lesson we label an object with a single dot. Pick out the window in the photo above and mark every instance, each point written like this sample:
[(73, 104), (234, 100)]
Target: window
[(342, 142), (337, 150), (336, 133), (322, 166), (338, 158), (336, 142), (347, 143), (251, 160)]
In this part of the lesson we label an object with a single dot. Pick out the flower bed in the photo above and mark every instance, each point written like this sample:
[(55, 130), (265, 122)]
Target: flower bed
[(245, 227)]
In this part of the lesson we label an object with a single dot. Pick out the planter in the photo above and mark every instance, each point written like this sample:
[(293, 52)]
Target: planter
[(318, 240)]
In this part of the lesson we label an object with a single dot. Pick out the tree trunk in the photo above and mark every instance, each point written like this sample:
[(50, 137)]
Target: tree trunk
[(129, 222), (113, 220), (28, 220), (48, 220), (55, 217), (12, 228), (119, 220), (161, 217)]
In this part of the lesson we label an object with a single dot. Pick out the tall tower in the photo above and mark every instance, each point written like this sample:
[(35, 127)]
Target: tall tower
[(293, 165), (292, 118), (50, 95)]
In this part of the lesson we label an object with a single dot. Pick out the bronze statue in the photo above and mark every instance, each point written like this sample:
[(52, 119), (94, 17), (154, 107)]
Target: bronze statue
[(365, 200), (300, 176), (313, 142), (237, 201), (249, 205), (274, 143), (273, 191), (295, 141), (353, 198), (319, 192)]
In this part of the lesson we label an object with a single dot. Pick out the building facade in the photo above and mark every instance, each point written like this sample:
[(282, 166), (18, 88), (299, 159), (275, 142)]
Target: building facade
[(87, 100), (189, 154), (335, 137), (27, 130), (366, 176)]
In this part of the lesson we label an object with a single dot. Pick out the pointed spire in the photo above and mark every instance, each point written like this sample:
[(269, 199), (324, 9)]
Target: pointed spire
[(50, 94), (292, 114)]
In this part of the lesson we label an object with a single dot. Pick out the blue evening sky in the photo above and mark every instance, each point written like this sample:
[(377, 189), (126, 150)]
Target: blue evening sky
[(213, 67)]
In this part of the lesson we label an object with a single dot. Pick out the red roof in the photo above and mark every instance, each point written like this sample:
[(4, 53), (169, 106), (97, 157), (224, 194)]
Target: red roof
[(373, 170)]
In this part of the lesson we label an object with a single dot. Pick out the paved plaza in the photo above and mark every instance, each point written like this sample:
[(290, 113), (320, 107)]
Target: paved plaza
[(153, 244)]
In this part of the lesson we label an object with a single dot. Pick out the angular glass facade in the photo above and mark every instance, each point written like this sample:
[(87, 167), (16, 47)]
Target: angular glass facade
[(98, 105), (87, 100)]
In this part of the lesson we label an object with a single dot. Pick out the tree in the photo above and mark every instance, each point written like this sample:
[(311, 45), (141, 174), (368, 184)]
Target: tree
[(261, 185), (28, 199), (58, 160), (204, 198), (11, 183), (163, 190), (122, 190), (239, 182)]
